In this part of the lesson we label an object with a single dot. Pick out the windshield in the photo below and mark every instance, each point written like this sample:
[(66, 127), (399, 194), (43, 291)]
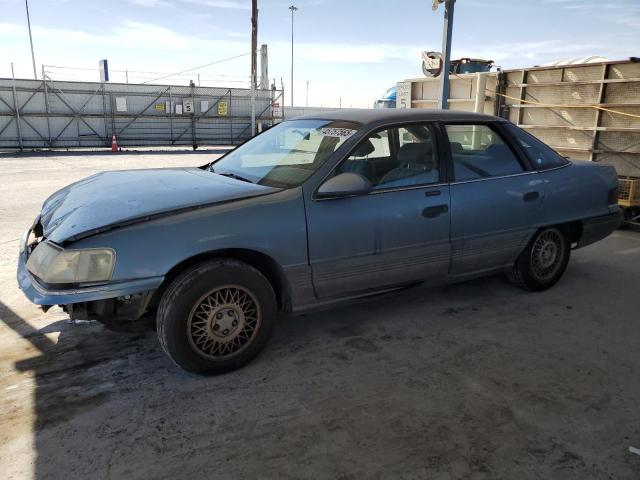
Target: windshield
[(287, 154)]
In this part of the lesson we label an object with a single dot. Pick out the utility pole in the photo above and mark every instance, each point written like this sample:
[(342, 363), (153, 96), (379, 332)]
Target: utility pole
[(16, 106), (447, 31), (254, 62), (33, 57), (293, 8), (264, 67)]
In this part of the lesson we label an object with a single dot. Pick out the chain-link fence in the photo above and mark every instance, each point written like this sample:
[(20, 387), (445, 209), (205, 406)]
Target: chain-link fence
[(62, 114)]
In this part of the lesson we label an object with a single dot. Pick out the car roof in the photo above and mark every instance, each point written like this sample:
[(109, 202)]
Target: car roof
[(384, 115)]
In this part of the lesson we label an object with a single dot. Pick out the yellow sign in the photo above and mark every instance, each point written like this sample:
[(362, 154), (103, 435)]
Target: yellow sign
[(160, 107), (223, 109)]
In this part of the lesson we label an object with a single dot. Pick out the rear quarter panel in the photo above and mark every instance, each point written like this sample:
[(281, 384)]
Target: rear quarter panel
[(577, 191)]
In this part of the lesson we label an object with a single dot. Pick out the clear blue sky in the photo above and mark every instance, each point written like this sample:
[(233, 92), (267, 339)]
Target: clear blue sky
[(354, 49)]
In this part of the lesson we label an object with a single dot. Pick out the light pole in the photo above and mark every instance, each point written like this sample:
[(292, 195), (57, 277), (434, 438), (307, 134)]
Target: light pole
[(307, 100), (254, 63), (443, 99), (293, 8), (33, 57)]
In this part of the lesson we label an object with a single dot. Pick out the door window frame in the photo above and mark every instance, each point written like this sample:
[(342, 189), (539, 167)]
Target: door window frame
[(442, 151)]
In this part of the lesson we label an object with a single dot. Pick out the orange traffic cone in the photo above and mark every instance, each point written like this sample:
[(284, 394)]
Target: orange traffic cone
[(114, 143)]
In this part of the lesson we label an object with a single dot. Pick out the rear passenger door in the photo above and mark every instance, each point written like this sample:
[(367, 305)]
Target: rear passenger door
[(495, 200)]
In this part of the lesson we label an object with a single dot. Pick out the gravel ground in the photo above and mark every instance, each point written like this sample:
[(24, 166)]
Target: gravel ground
[(472, 381)]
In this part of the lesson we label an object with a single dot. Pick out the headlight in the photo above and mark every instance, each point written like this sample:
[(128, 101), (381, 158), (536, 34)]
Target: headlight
[(53, 264)]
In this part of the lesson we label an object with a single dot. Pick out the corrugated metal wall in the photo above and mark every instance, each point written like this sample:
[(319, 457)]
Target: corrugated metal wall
[(85, 114)]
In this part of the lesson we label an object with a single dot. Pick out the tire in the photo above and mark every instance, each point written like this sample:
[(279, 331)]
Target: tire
[(543, 261), (216, 316)]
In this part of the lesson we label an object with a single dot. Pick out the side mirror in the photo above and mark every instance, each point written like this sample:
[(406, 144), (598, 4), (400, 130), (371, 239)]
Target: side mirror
[(344, 185)]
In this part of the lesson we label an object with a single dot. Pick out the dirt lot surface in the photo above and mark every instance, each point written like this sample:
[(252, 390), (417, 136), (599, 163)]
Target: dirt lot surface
[(472, 381)]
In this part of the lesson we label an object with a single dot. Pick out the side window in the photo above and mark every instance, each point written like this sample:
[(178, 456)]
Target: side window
[(369, 157), (416, 158), (409, 136), (380, 147), (540, 155), (478, 151), (396, 157)]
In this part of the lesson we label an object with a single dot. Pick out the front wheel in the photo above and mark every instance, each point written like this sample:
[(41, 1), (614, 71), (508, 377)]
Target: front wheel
[(216, 316), (543, 261)]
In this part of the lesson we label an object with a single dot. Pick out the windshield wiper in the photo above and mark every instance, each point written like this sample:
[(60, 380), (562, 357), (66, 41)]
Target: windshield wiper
[(233, 175)]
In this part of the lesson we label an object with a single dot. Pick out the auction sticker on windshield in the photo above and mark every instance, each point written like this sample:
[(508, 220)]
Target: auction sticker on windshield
[(337, 132)]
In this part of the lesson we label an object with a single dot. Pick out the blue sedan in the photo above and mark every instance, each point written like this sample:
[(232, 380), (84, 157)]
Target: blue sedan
[(314, 210)]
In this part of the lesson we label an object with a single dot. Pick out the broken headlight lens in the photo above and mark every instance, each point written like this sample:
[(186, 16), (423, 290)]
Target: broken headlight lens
[(53, 264)]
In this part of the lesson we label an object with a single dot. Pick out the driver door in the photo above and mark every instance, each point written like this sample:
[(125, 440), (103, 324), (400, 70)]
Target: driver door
[(396, 234)]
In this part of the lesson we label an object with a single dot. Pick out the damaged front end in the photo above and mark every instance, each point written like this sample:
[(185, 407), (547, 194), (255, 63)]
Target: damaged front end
[(49, 275), (89, 250), (122, 309)]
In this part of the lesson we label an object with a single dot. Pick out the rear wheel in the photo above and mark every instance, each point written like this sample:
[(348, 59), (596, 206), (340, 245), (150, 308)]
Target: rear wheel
[(543, 261), (216, 317)]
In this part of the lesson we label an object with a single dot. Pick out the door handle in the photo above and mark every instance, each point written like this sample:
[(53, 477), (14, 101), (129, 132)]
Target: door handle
[(432, 212), (531, 196)]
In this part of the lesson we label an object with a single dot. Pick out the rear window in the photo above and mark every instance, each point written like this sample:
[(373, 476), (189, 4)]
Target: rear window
[(539, 154), (478, 151)]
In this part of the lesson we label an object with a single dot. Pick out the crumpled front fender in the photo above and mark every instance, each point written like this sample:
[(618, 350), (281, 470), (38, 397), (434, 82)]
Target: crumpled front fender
[(40, 295)]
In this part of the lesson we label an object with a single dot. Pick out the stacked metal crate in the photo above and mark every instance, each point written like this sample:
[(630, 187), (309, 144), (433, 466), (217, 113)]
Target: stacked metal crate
[(588, 111)]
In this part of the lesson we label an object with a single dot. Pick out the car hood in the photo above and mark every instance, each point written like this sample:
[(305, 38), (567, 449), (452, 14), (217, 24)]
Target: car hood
[(112, 199)]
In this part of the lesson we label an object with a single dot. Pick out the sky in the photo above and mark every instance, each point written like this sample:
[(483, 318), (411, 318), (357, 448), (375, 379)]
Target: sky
[(350, 51)]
